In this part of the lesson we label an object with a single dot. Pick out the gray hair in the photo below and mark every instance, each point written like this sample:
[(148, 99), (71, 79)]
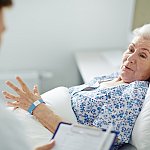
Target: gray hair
[(143, 31)]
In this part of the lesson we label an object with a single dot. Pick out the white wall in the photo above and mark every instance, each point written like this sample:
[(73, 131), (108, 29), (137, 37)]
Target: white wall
[(44, 34)]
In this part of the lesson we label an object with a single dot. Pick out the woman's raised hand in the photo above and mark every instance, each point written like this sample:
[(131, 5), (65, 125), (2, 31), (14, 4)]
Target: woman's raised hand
[(25, 96)]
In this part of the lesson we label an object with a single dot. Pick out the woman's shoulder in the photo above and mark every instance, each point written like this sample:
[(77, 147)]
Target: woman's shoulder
[(138, 87), (139, 84)]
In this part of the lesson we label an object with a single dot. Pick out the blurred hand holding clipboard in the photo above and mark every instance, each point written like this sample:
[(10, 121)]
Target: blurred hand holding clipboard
[(78, 137)]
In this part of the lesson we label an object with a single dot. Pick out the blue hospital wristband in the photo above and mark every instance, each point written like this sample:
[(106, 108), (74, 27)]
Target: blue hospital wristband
[(34, 105)]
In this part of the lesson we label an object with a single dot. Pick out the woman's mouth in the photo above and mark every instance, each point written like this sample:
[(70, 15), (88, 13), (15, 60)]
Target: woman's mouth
[(125, 68)]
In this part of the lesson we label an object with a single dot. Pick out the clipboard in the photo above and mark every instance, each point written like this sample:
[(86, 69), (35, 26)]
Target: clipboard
[(78, 137)]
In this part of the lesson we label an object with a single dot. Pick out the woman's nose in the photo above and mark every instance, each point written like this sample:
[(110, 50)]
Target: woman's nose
[(132, 58)]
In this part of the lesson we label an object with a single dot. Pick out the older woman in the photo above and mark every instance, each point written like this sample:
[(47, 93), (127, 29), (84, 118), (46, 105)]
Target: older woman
[(114, 99)]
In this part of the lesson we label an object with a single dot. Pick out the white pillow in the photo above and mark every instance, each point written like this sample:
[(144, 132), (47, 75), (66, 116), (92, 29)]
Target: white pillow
[(59, 101), (141, 131)]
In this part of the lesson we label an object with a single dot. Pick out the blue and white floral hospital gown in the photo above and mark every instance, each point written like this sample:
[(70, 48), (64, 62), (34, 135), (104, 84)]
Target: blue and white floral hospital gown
[(119, 105)]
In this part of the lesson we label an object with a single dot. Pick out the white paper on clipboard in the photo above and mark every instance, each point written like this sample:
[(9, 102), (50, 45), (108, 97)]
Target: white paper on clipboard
[(77, 137)]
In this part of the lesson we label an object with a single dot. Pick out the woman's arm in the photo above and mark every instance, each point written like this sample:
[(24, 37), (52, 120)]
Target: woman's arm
[(47, 117), (25, 98)]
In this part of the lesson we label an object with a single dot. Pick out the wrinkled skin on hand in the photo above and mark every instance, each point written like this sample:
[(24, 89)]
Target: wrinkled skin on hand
[(25, 97)]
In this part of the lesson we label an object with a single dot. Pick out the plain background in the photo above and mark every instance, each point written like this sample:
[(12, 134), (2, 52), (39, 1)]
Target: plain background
[(43, 35)]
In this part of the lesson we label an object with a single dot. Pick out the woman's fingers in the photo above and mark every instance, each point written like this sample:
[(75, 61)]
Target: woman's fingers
[(14, 87), (24, 98), (23, 85), (15, 108), (6, 97), (35, 90), (10, 96), (15, 104)]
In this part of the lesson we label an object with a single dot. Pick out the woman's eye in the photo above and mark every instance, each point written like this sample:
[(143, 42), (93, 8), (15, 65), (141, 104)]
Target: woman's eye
[(131, 49), (143, 56)]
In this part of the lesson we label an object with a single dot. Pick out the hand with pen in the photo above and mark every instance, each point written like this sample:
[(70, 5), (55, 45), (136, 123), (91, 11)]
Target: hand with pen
[(47, 146)]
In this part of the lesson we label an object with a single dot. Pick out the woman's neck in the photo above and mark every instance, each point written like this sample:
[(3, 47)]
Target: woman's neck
[(114, 82)]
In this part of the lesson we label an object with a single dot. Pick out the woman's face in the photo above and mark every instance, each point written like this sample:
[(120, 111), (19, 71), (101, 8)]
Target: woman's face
[(136, 61), (2, 26)]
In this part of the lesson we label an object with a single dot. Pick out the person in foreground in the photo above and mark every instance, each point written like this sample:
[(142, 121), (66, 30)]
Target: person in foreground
[(10, 127), (114, 99)]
